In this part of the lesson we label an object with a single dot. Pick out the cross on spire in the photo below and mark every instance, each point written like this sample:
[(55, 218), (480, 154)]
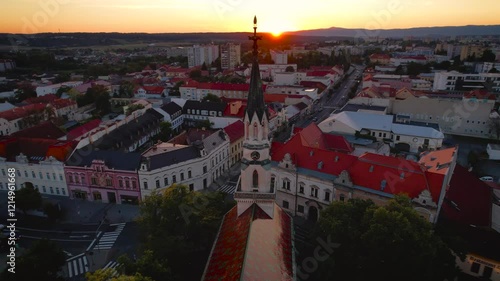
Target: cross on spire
[(254, 38)]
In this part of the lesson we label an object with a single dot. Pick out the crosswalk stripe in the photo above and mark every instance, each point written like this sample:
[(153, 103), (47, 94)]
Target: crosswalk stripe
[(80, 263), (70, 270), (75, 269), (227, 188)]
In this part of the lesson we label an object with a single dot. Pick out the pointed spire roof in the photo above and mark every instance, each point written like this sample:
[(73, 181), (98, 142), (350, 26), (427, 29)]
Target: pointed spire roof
[(255, 102)]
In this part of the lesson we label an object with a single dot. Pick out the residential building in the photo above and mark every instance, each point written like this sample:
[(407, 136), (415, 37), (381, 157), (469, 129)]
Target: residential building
[(294, 90), (172, 113), (240, 252), (195, 158), (406, 136), (202, 54), (52, 89), (230, 55), (193, 90), (150, 92), (38, 158), (308, 176), (196, 111), (279, 57), (456, 81), (130, 136), (235, 132), (6, 64), (103, 176), (469, 51), (19, 118), (380, 58)]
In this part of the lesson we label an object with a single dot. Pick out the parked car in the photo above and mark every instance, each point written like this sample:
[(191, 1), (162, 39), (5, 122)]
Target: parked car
[(486, 178)]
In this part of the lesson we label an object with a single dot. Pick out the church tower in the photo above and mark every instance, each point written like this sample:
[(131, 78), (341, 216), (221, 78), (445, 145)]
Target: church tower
[(254, 185)]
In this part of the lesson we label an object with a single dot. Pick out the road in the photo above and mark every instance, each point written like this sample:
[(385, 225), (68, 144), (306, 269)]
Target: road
[(328, 103)]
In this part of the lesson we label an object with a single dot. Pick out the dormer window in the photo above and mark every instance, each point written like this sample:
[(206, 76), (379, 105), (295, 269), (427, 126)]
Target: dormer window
[(255, 179), (371, 169), (336, 159), (402, 176), (383, 183), (320, 165)]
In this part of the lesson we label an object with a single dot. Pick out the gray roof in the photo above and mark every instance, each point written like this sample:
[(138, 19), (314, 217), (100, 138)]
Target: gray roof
[(171, 157), (171, 108), (206, 105), (214, 140), (113, 159), (357, 107)]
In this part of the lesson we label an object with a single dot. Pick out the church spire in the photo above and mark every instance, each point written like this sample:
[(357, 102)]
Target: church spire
[(255, 102)]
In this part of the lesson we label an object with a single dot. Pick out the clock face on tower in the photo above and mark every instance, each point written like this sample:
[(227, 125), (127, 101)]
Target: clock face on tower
[(255, 155)]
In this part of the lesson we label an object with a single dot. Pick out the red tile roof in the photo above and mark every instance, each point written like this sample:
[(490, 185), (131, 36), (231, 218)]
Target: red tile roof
[(252, 246), (318, 73), (152, 90), (235, 131), (83, 129), (35, 149), (20, 112), (479, 94), (42, 99), (468, 200), (46, 130), (61, 103)]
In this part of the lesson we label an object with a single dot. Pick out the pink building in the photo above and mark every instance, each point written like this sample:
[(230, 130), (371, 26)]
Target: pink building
[(103, 176)]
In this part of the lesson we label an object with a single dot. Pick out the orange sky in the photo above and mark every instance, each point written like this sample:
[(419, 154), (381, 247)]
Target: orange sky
[(156, 16)]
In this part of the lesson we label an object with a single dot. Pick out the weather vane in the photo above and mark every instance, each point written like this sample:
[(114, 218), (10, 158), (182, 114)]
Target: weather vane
[(254, 38)]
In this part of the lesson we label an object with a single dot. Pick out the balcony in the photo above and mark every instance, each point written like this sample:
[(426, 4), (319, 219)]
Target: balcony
[(254, 195)]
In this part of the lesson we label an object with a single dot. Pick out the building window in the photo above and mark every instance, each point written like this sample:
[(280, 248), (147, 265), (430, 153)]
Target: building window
[(71, 178), (191, 187), (157, 183), (182, 176), (286, 184), (34, 175), (58, 191), (273, 182), (145, 185), (301, 188), (342, 197), (44, 189), (398, 138), (174, 179), (327, 196), (189, 174), (51, 190), (54, 176), (127, 183), (109, 182), (94, 181), (97, 196), (120, 183), (487, 271), (475, 267), (40, 174), (165, 181), (314, 192), (18, 173), (3, 172), (285, 204), (204, 169), (255, 179), (300, 209), (26, 173), (83, 179), (134, 185), (63, 191), (379, 135), (77, 180)]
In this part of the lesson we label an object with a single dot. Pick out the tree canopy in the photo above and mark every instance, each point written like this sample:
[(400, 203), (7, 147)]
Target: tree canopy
[(28, 198), (211, 97), (42, 262), (390, 242), (178, 227), (99, 95)]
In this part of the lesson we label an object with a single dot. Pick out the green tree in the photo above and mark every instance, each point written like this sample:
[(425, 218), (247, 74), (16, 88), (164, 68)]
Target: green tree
[(126, 89), (390, 242), (147, 265), (62, 90), (493, 70), (195, 74), (180, 225), (488, 56), (99, 95), (289, 69), (165, 131), (28, 198), (62, 77), (43, 261), (25, 91), (211, 97), (133, 107), (107, 275), (204, 66)]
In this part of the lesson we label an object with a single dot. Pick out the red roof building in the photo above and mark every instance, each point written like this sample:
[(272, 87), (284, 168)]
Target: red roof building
[(83, 129), (235, 132)]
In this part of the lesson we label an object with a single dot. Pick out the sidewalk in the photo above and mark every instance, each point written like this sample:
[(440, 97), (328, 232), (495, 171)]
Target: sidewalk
[(87, 212)]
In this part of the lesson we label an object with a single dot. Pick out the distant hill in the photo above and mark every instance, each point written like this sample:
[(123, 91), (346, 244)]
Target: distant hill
[(435, 32)]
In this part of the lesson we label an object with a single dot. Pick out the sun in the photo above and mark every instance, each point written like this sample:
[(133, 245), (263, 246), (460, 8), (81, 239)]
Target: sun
[(276, 33)]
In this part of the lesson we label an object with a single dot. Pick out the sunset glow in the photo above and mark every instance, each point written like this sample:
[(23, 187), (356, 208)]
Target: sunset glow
[(156, 16)]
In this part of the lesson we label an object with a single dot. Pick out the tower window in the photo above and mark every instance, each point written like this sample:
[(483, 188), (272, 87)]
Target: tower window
[(255, 131), (255, 179)]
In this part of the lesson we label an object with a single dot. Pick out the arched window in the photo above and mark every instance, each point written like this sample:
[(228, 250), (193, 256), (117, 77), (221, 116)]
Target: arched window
[(255, 131), (255, 179)]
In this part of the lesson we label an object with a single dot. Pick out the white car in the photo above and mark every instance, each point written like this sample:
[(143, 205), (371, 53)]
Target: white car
[(486, 178)]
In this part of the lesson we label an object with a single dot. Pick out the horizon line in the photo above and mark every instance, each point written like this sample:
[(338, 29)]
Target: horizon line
[(269, 32)]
